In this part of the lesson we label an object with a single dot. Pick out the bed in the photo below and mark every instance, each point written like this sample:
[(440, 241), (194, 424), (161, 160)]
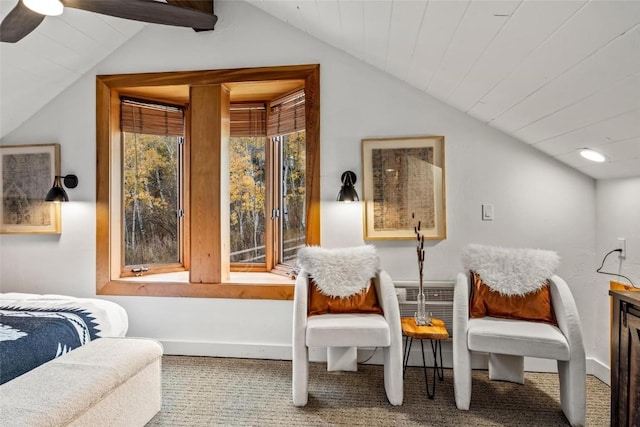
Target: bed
[(37, 328)]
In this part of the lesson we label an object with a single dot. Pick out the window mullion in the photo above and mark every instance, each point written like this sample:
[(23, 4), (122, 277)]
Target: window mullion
[(272, 237), (209, 170)]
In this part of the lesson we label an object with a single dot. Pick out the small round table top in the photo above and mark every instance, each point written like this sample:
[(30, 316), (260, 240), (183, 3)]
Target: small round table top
[(437, 331)]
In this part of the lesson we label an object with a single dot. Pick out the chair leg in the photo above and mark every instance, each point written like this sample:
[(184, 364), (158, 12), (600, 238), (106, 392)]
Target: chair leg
[(342, 358), (300, 375), (461, 372), (505, 367), (573, 395), (393, 382)]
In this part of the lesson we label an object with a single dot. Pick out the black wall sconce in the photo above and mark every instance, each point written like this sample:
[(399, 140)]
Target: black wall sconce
[(347, 191), (57, 193)]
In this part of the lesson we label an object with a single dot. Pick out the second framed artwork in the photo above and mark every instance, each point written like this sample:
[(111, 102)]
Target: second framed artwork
[(403, 183)]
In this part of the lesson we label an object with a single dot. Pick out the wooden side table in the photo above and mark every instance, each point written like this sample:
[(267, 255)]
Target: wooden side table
[(435, 334)]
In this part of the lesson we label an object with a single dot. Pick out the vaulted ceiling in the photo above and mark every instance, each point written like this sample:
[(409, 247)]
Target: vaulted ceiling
[(559, 75), (47, 61)]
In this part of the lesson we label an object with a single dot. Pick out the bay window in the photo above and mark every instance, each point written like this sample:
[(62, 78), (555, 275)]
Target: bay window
[(206, 177)]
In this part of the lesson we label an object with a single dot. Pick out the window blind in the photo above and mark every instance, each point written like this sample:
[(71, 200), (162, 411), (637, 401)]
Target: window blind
[(286, 114), (147, 117), (248, 119)]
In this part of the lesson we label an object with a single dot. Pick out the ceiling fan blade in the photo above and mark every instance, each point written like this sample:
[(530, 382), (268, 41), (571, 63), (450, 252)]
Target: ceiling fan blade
[(151, 11), (18, 23), (203, 5)]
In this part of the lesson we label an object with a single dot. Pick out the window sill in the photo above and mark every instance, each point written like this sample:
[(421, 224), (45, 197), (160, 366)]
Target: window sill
[(239, 286)]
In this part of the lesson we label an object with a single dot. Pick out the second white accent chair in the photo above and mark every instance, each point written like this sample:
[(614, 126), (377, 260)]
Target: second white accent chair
[(508, 341)]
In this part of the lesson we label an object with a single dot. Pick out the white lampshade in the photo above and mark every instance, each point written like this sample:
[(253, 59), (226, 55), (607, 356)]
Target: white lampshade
[(45, 7)]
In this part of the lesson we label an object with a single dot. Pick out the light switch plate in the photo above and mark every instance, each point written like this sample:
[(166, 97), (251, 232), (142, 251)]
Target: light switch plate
[(487, 212)]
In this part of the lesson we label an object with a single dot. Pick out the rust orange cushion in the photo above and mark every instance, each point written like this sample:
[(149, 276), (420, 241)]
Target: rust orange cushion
[(534, 306), (362, 302)]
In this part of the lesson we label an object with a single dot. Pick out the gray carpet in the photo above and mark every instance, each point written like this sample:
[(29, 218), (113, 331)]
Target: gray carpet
[(207, 391)]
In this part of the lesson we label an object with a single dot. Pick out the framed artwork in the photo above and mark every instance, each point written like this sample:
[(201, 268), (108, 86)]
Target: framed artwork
[(403, 183), (28, 172)]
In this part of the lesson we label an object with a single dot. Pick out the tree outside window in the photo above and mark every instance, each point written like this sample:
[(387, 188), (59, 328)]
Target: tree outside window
[(151, 196)]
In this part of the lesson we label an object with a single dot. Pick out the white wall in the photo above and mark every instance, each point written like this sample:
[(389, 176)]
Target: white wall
[(618, 215), (538, 202)]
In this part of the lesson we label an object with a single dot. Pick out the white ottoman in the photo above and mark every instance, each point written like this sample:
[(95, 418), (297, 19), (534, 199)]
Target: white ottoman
[(108, 382)]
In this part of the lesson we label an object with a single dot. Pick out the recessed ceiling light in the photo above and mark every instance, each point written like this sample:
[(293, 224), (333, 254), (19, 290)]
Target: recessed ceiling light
[(594, 156)]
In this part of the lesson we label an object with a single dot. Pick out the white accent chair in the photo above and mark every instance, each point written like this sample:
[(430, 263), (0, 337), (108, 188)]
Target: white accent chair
[(508, 341), (343, 333)]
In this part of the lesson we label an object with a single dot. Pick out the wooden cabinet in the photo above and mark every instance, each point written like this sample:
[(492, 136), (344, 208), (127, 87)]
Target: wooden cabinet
[(625, 359)]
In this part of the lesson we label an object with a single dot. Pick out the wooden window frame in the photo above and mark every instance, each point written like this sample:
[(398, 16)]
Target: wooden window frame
[(209, 83)]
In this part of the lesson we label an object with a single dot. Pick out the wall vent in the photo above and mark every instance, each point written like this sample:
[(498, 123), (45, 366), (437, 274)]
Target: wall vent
[(439, 296)]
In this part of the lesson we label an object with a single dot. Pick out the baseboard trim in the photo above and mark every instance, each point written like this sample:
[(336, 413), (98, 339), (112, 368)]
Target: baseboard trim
[(599, 370), (216, 349), (365, 355)]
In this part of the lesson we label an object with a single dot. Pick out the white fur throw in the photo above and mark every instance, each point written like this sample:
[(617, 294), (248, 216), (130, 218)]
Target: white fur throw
[(511, 271), (339, 272)]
